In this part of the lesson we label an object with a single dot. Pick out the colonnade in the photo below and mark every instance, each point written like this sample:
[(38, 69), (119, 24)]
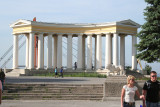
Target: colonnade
[(56, 55)]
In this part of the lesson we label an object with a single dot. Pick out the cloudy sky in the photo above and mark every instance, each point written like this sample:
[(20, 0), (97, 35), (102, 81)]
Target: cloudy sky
[(67, 11)]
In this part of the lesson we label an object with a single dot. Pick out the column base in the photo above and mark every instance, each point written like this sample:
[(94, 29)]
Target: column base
[(39, 68)]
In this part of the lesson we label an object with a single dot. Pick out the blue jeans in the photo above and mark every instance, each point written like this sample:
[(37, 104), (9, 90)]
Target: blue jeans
[(127, 105), (150, 104)]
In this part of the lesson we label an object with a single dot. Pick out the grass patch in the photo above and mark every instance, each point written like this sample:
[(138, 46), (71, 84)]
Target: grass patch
[(83, 74)]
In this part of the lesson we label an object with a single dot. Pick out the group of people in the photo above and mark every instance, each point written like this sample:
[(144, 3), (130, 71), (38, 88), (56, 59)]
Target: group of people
[(56, 72), (2, 80), (150, 93)]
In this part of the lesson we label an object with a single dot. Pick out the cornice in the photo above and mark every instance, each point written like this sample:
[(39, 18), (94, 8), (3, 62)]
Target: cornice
[(21, 22)]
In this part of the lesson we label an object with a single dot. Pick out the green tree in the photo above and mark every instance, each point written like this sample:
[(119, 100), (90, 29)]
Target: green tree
[(149, 45), (148, 69)]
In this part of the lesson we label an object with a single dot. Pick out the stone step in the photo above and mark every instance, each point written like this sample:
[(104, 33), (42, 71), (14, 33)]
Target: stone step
[(52, 94), (32, 96), (55, 85), (71, 92), (52, 98), (53, 91), (62, 90)]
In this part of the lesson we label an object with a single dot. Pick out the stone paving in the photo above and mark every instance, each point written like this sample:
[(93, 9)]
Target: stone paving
[(61, 103)]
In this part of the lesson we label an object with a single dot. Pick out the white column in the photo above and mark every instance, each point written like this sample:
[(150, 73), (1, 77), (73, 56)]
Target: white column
[(40, 52), (59, 53), (27, 51), (83, 52), (69, 52), (115, 50), (31, 51), (89, 52), (55, 52), (99, 52), (79, 58), (122, 51), (134, 52), (15, 51), (49, 52), (95, 51), (108, 56)]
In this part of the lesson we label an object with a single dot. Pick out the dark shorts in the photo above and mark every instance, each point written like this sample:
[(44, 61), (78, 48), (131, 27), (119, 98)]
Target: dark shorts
[(125, 104)]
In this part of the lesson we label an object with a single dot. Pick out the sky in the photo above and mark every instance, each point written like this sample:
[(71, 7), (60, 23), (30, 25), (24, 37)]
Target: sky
[(70, 11)]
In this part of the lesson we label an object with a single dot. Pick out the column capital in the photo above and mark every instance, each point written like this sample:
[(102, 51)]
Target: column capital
[(134, 34), (99, 34), (89, 34), (70, 35), (50, 34), (108, 33), (80, 34), (26, 34), (116, 34), (60, 34), (33, 32), (16, 34), (40, 33)]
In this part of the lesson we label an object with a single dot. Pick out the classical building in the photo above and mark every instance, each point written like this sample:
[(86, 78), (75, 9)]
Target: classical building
[(36, 31)]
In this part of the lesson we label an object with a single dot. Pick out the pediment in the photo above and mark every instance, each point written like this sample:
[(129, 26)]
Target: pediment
[(20, 23), (128, 23)]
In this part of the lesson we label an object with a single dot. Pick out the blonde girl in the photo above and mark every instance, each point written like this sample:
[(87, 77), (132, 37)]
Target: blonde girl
[(128, 93)]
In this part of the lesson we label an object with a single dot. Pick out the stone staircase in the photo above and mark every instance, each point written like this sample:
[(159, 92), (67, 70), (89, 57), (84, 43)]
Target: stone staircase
[(53, 92)]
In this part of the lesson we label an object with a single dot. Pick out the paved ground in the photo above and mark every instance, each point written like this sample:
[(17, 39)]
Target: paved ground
[(58, 103), (62, 103), (52, 80)]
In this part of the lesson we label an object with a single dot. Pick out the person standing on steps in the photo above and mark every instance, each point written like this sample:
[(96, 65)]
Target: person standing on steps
[(151, 90)]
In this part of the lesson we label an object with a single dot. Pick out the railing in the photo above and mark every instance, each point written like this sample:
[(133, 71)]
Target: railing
[(11, 56)]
